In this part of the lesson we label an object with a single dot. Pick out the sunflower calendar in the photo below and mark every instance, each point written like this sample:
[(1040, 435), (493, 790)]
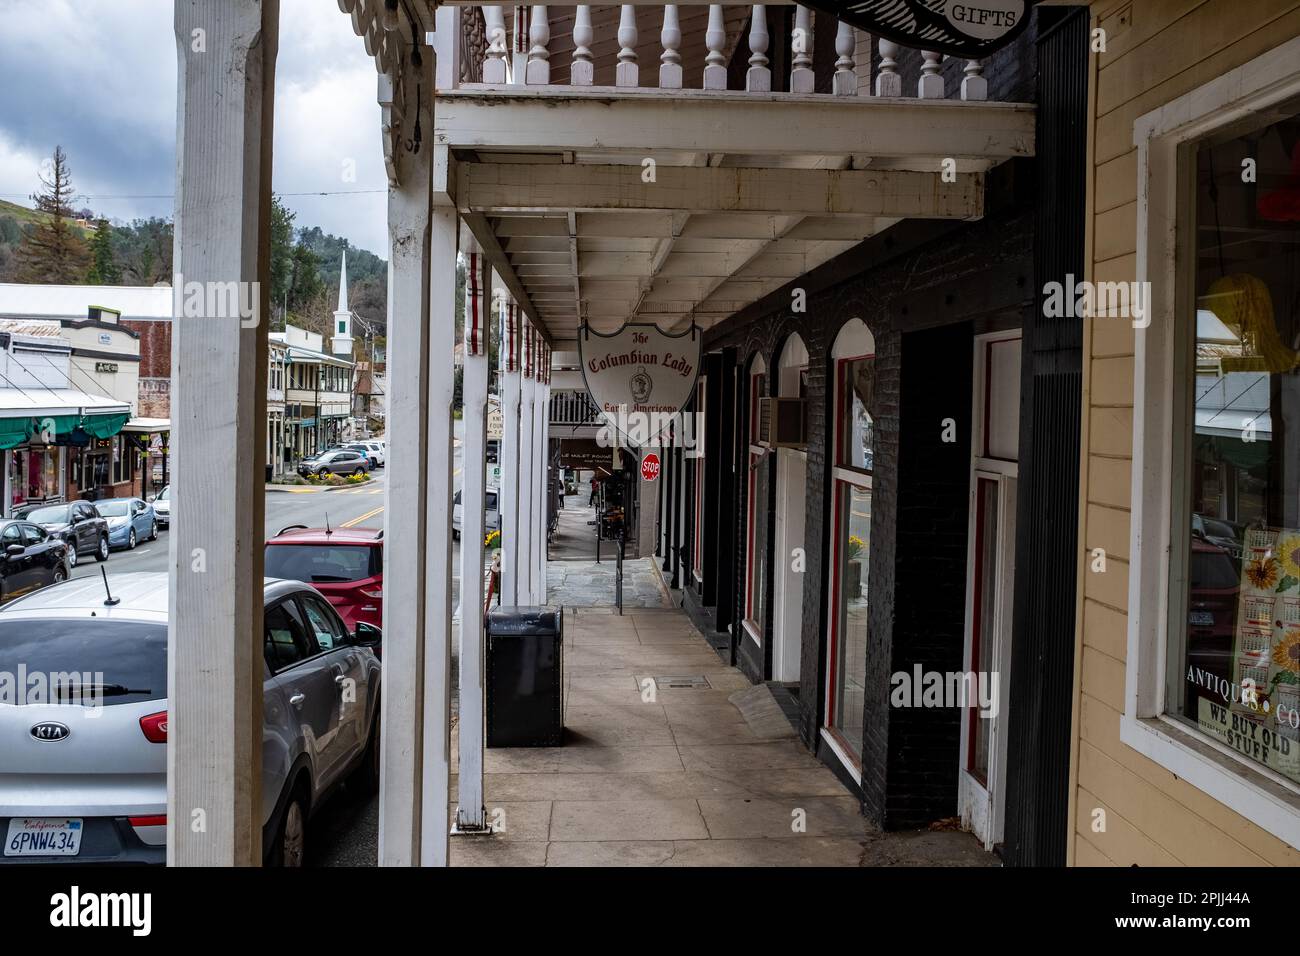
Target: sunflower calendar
[(1265, 725)]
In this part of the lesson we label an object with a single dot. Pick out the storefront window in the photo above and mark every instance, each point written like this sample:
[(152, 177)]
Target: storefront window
[(34, 474), (854, 378), (1234, 666)]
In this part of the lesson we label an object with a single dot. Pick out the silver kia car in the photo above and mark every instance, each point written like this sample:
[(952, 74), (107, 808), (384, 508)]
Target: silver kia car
[(83, 719)]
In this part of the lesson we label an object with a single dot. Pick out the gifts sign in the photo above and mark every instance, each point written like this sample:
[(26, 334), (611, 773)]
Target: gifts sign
[(963, 28), (640, 378)]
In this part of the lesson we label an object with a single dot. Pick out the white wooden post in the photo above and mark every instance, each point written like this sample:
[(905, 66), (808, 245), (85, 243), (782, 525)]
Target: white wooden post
[(509, 492), (526, 514), (539, 57), (715, 38), (443, 236), (845, 81), (758, 78), (888, 81), (447, 48), (470, 813), (543, 469), (626, 72), (214, 660), (973, 85), (494, 67), (802, 78), (930, 85), (582, 72), (670, 61), (405, 485)]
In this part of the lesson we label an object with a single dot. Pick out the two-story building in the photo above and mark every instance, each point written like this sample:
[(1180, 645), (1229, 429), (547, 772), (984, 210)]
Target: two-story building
[(317, 393)]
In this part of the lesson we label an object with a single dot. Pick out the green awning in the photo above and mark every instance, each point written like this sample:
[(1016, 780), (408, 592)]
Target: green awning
[(104, 426), (14, 432)]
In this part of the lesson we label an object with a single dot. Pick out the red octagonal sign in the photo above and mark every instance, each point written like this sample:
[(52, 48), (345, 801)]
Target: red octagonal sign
[(650, 467)]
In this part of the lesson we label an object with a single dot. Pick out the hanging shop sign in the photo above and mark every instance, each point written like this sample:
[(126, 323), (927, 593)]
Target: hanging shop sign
[(965, 28), (640, 377)]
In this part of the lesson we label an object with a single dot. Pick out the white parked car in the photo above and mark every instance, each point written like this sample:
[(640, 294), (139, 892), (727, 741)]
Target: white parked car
[(491, 517), (162, 506), (83, 779)]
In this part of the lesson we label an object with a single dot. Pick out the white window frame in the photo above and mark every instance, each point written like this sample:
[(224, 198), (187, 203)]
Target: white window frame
[(1161, 136)]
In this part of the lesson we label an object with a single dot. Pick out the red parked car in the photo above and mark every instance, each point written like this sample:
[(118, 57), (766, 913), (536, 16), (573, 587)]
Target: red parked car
[(346, 565)]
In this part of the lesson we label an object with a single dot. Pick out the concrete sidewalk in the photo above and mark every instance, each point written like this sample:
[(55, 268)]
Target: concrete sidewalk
[(673, 776)]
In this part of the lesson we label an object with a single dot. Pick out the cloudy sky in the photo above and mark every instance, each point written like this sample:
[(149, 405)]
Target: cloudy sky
[(99, 78)]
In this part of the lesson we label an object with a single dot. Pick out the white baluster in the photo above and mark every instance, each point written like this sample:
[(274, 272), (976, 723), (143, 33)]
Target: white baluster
[(627, 73), (519, 45), (973, 85), (715, 38), (845, 80), (930, 86), (670, 61), (494, 67), (888, 82), (758, 78), (802, 79), (582, 72), (538, 72)]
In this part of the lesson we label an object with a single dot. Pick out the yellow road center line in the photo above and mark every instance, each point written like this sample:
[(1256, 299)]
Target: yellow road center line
[(355, 521)]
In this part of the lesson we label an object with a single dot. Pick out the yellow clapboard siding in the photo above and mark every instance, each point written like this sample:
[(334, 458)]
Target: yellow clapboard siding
[(1117, 181), (1120, 840), (1165, 821), (1112, 379), (1110, 481), (1112, 431), (1108, 528), (1105, 629), (1085, 854), (1103, 675), (1116, 232), (1099, 725), (1146, 19), (1114, 132)]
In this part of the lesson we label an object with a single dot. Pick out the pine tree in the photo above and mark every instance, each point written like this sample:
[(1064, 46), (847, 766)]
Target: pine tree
[(53, 251), (103, 265)]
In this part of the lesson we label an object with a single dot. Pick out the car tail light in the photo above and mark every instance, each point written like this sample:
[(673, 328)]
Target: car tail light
[(155, 820), (377, 594), (155, 727)]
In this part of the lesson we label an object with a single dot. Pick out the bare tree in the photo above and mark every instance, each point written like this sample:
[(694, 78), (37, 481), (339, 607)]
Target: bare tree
[(53, 251)]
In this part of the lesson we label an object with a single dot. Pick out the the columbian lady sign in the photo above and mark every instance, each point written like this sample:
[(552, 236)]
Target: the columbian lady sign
[(640, 377), (964, 28)]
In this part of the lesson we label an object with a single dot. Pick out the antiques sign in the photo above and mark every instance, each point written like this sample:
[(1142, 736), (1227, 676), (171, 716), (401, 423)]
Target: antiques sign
[(965, 28), (640, 377)]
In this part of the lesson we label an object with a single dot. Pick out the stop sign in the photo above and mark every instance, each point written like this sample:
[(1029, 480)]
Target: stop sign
[(650, 467)]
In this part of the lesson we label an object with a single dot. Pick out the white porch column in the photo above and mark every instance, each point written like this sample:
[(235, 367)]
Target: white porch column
[(509, 492), (406, 484), (214, 661), (527, 392), (474, 392), (443, 236), (545, 416)]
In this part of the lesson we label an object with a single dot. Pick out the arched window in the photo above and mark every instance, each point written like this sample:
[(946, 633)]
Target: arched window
[(852, 462)]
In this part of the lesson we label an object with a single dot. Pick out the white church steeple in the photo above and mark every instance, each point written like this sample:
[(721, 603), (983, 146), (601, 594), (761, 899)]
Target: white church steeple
[(341, 341)]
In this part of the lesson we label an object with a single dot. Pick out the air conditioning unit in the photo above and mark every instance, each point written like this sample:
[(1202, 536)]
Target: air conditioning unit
[(783, 422)]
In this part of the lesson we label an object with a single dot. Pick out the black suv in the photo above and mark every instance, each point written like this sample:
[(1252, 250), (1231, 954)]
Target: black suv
[(76, 523)]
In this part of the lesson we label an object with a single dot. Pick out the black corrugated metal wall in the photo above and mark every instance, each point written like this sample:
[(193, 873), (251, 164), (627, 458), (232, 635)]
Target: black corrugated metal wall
[(1042, 666)]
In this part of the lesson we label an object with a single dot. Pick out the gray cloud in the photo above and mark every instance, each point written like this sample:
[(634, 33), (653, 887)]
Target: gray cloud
[(99, 78)]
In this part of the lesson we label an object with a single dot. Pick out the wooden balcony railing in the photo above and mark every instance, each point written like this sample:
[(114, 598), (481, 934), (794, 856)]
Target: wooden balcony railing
[(521, 56)]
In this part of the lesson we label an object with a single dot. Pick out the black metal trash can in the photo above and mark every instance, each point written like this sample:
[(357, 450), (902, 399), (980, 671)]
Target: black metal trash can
[(525, 670)]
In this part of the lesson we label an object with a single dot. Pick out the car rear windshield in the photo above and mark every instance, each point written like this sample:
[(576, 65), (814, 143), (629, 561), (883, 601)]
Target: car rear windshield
[(115, 662), (321, 563), (50, 515)]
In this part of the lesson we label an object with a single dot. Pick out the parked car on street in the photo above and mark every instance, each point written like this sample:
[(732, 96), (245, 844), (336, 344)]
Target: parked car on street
[(376, 451), (80, 790), (76, 523), (361, 448), (130, 521), (162, 506), (346, 565), (341, 462), (32, 558), (491, 517)]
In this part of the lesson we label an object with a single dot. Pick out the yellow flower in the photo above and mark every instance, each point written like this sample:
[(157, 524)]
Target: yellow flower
[(1287, 654), (1262, 573), (1288, 552)]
